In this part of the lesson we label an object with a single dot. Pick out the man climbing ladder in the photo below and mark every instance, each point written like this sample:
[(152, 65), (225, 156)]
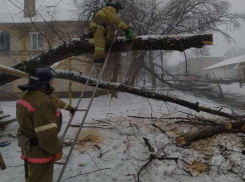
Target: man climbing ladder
[(101, 31)]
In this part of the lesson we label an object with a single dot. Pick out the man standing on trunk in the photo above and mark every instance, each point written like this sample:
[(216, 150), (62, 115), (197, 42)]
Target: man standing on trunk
[(100, 26)]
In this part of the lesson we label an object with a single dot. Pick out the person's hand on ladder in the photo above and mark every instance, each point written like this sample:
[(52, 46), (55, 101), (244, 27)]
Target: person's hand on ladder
[(73, 110), (58, 156)]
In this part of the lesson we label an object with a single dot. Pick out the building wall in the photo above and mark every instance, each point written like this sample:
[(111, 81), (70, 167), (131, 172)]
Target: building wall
[(63, 85), (225, 72), (195, 65), (61, 30)]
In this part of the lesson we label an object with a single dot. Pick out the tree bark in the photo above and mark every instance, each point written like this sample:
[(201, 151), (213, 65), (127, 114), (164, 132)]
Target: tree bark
[(114, 65), (131, 67), (161, 57), (137, 65)]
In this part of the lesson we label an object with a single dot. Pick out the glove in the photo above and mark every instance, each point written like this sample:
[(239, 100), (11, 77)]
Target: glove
[(128, 33), (58, 156), (73, 110), (128, 30)]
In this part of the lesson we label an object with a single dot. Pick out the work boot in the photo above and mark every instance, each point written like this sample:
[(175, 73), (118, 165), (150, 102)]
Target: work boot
[(101, 60)]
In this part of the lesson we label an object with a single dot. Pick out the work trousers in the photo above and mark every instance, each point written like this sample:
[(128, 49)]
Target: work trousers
[(41, 172), (101, 39)]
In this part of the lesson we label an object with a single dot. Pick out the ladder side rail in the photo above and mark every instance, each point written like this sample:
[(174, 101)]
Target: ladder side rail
[(81, 96), (85, 115)]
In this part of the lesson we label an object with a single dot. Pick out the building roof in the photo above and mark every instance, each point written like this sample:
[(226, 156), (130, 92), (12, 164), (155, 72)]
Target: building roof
[(11, 11), (227, 62), (203, 57)]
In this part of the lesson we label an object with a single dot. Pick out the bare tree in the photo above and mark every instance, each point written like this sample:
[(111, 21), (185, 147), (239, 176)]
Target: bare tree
[(178, 16)]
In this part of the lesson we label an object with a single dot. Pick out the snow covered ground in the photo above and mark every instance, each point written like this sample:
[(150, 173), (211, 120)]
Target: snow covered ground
[(112, 148), (234, 88)]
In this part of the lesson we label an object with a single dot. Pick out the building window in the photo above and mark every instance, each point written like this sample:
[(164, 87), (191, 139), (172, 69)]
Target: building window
[(5, 42), (36, 41)]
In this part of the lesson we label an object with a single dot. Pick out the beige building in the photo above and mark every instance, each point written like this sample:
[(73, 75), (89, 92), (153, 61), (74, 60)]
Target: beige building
[(233, 68), (195, 65), (34, 27)]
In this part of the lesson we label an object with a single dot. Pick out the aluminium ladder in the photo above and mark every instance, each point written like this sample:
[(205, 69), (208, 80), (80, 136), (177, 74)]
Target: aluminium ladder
[(85, 110)]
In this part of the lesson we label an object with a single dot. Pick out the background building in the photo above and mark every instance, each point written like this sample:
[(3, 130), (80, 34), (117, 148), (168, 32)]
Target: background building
[(34, 27), (195, 65), (229, 69)]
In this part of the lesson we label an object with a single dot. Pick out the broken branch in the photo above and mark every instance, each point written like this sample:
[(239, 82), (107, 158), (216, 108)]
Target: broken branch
[(151, 149)]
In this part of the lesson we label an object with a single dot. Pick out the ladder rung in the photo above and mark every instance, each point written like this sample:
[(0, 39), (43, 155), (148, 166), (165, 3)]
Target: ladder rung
[(82, 110), (74, 125), (60, 163), (92, 83)]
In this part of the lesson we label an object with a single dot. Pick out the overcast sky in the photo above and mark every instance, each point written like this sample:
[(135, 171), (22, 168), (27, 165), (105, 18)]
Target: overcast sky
[(220, 46)]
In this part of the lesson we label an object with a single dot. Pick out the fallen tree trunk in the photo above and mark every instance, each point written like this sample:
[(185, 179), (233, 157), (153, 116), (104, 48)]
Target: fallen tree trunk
[(67, 75), (142, 92), (193, 136), (79, 46), (235, 125)]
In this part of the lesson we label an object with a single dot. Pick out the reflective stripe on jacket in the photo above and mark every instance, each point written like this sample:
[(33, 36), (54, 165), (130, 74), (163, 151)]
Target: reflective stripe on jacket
[(38, 160)]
